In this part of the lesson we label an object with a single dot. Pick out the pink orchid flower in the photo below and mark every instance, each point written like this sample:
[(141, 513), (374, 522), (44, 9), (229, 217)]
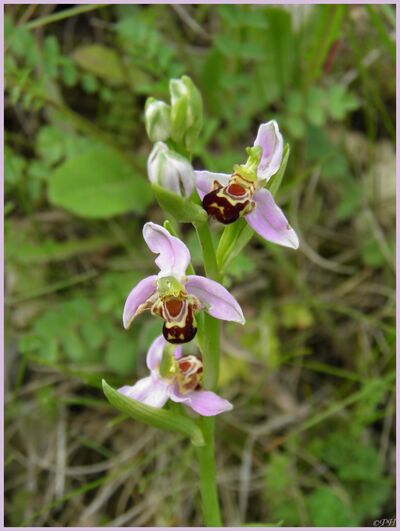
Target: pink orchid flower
[(180, 380), (173, 295), (227, 197)]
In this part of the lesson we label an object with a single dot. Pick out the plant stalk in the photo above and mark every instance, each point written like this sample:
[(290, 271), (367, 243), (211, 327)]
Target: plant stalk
[(210, 350), (208, 250), (207, 468)]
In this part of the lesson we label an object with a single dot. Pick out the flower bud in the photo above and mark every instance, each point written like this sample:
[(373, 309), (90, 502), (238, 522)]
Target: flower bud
[(157, 117), (170, 170), (186, 111)]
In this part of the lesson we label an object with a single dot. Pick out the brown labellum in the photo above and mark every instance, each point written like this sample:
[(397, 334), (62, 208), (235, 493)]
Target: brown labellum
[(182, 330), (220, 205)]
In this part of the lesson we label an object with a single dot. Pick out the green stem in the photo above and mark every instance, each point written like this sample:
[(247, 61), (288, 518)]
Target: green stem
[(208, 484), (207, 247), (209, 327), (211, 352), (209, 334), (67, 13)]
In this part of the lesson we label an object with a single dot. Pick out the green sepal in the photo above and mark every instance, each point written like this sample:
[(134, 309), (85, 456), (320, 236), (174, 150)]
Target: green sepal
[(277, 178), (234, 238), (181, 208), (159, 418), (170, 228)]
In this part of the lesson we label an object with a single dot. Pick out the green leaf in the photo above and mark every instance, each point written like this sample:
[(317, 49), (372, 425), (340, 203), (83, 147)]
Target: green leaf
[(51, 55), (341, 102), (181, 208), (327, 509), (371, 253), (327, 28), (277, 178), (54, 144), (240, 267), (69, 73), (121, 354), (159, 418), (296, 125), (89, 83), (98, 184), (296, 315), (382, 30), (31, 252), (281, 42), (351, 201), (14, 166), (279, 489), (100, 61), (315, 106)]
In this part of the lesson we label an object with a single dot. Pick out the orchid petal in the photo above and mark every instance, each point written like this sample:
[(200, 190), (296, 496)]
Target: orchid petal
[(205, 403), (155, 353), (271, 142), (270, 222), (135, 303), (205, 179), (151, 391), (218, 301), (174, 256)]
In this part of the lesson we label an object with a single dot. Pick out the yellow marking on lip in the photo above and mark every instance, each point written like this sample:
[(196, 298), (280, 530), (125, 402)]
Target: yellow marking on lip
[(233, 202), (219, 207)]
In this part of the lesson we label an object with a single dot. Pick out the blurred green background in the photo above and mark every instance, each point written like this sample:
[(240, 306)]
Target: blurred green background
[(311, 439)]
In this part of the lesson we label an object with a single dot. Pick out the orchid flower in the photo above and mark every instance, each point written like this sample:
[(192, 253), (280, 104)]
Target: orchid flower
[(228, 197), (173, 295), (176, 377)]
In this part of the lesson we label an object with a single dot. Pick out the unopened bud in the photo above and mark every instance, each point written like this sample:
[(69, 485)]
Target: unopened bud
[(186, 111), (170, 170), (157, 117)]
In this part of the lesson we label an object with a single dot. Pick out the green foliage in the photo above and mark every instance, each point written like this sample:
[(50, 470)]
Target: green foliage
[(69, 330), (102, 62), (327, 508), (279, 485), (317, 106), (98, 184), (75, 331), (360, 490), (147, 51)]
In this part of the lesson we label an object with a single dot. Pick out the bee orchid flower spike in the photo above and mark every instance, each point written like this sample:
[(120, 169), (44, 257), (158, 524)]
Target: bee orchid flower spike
[(228, 197), (173, 295)]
